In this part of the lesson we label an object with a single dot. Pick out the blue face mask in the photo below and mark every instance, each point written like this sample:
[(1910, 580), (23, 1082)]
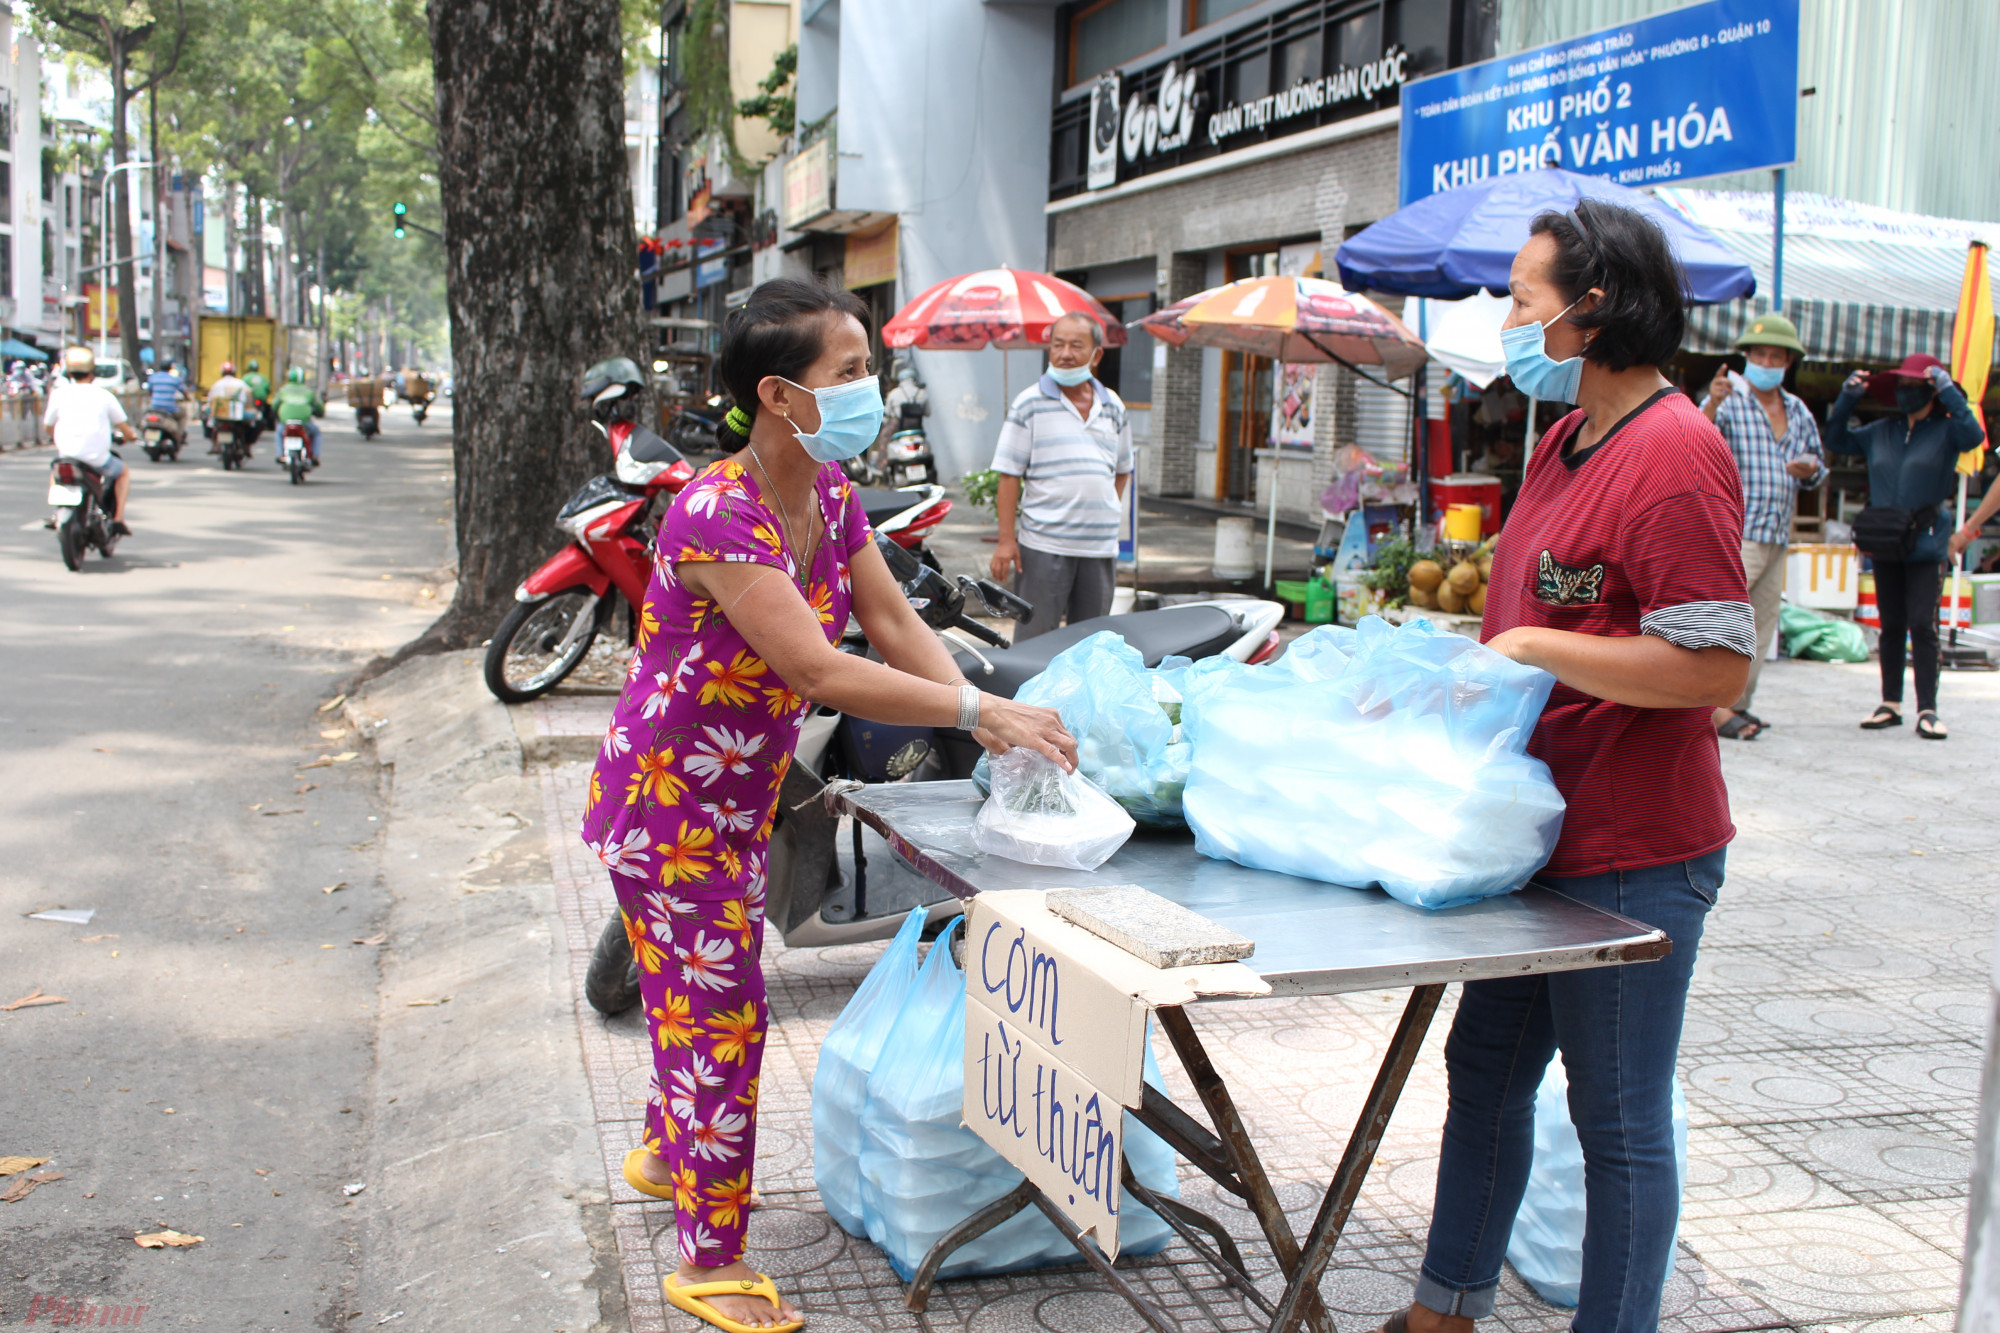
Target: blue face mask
[(850, 417), (1766, 378), (1529, 366), (1069, 376)]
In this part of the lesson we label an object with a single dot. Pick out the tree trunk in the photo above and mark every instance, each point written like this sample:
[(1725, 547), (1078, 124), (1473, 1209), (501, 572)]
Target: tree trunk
[(253, 231), (540, 269), (121, 209)]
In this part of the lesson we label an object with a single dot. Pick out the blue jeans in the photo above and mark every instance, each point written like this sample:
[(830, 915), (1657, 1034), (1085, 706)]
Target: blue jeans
[(1619, 1030)]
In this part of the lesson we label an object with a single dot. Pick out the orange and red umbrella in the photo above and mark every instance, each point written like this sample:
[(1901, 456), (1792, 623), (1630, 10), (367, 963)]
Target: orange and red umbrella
[(1291, 319), (1008, 308)]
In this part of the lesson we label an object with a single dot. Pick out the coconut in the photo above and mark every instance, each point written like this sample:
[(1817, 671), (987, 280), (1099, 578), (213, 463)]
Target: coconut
[(1450, 599), (1426, 574), (1485, 563), (1464, 578), (1423, 597), (1476, 604)]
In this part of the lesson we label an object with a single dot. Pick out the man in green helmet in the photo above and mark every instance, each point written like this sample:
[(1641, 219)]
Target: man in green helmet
[(1776, 442), (299, 401), (260, 391)]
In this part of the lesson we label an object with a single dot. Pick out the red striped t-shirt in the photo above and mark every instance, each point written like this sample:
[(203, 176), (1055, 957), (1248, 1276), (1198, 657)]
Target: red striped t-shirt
[(1639, 534)]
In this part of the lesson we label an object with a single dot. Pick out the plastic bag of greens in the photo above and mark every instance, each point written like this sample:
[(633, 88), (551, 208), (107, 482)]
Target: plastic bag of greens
[(846, 1057), (1375, 755), (923, 1172), (1041, 815), (1820, 638), (1125, 720), (1546, 1246)]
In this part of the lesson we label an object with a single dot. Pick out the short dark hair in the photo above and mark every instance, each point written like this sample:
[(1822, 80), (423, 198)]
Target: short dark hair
[(780, 330), (1643, 316)]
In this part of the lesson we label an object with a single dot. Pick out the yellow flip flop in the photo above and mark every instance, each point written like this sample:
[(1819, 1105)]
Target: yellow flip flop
[(639, 1182), (688, 1298)]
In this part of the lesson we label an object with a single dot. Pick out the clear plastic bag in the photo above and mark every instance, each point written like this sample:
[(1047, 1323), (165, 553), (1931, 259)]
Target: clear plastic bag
[(1039, 814), (1125, 720), (923, 1172), (1391, 755), (846, 1057), (1546, 1247)]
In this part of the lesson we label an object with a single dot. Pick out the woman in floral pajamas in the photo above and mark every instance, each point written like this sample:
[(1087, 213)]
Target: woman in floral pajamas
[(756, 569)]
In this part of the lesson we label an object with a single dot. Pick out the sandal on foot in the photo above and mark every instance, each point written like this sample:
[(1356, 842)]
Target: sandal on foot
[(1884, 716), (637, 1181), (1930, 728), (689, 1298), (1740, 727)]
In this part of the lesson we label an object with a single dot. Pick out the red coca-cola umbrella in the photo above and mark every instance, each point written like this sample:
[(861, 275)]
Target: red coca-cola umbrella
[(1008, 308)]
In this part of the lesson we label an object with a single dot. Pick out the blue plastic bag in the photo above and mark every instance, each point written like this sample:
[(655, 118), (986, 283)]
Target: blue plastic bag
[(840, 1084), (1391, 755), (923, 1172), (1546, 1247), (1123, 717)]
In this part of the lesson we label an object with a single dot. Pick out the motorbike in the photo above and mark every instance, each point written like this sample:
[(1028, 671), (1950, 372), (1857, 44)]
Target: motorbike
[(693, 429), (906, 456), (292, 451), (560, 609), (421, 407), (368, 420), (816, 895), (163, 436), (234, 433), (79, 494)]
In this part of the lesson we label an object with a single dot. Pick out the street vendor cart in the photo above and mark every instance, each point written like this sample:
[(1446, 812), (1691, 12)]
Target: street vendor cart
[(1310, 939)]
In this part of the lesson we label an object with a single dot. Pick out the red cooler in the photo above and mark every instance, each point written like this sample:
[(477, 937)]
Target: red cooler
[(1469, 488)]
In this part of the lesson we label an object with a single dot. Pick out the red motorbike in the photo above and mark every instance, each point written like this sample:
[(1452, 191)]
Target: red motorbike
[(560, 609)]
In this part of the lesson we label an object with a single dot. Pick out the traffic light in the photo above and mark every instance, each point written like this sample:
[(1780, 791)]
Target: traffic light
[(400, 209)]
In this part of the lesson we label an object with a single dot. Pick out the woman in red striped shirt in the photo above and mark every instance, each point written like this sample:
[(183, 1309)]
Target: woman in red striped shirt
[(1619, 572)]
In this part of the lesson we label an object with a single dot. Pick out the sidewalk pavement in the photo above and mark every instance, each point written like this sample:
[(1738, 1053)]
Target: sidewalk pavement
[(1831, 1061)]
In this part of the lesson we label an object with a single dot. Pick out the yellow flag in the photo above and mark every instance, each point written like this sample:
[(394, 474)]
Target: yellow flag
[(1972, 344)]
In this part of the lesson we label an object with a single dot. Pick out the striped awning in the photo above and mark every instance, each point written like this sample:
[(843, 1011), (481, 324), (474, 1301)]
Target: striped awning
[(1862, 284)]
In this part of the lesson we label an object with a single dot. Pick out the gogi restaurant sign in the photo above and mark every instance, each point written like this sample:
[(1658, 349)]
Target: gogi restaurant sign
[(1694, 92)]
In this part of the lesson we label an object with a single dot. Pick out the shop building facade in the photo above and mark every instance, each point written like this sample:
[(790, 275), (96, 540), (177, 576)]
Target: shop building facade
[(1250, 143)]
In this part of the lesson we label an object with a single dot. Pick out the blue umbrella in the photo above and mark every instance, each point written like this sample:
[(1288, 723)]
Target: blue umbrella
[(15, 349), (1457, 242)]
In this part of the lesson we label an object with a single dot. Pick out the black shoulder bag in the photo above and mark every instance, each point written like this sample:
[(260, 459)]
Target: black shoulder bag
[(1888, 533)]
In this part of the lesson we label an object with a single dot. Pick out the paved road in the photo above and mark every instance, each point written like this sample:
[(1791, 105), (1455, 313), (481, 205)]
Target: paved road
[(208, 1070)]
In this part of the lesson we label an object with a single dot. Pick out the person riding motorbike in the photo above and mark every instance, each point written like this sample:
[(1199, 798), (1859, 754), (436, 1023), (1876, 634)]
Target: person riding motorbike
[(298, 401), (167, 392), (83, 418), (260, 392), (228, 388)]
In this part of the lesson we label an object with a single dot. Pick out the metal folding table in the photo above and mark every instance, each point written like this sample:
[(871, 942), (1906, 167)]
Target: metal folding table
[(1312, 939)]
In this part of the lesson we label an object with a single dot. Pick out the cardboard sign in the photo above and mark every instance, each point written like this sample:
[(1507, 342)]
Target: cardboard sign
[(1047, 1121), (1024, 966)]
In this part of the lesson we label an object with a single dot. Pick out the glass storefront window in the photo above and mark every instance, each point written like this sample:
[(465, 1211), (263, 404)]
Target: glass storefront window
[(1109, 34), (1203, 12)]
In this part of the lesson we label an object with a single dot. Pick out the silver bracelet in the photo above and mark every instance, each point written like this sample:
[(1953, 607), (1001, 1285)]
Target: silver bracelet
[(968, 708)]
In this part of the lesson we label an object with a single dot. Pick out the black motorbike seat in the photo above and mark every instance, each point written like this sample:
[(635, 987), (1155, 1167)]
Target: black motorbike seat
[(881, 505), (646, 447), (1186, 631)]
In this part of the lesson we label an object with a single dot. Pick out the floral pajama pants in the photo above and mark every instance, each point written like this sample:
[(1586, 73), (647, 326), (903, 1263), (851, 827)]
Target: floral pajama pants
[(701, 981)]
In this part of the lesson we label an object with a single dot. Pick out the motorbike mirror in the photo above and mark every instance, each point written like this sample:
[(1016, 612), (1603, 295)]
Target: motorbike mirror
[(998, 601)]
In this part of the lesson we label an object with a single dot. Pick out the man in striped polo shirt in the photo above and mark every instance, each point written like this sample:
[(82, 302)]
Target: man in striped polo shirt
[(1064, 459)]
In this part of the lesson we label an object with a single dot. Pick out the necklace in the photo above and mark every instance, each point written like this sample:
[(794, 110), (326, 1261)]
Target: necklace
[(791, 533)]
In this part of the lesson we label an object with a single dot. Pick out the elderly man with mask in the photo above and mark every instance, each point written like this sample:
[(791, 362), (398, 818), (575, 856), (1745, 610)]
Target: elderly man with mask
[(1776, 442), (1064, 459)]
